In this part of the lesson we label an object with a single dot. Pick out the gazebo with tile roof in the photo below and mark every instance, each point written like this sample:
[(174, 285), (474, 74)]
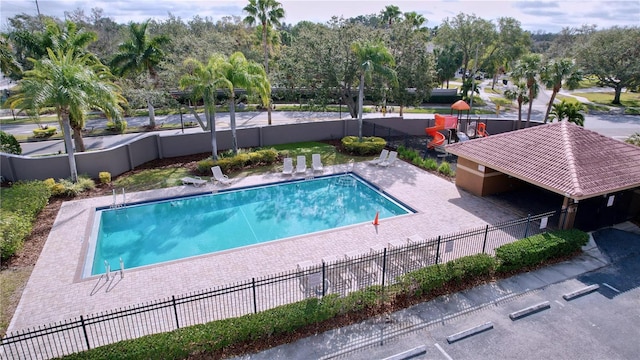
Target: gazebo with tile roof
[(562, 157)]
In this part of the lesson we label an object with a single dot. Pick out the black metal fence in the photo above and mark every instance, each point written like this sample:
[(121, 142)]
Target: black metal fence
[(314, 278)]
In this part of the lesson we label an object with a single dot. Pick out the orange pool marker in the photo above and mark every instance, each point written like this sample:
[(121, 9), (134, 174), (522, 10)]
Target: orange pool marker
[(375, 221)]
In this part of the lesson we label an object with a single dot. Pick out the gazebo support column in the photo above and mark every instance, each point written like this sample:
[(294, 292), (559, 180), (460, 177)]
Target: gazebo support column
[(568, 215)]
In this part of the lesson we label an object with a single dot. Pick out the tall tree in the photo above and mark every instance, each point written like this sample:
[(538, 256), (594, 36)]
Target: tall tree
[(416, 20), (527, 69), (267, 13), (390, 14), (373, 58), (416, 75), (141, 53), (468, 33), (448, 61), (204, 82), (612, 56), (72, 84), (239, 73), (518, 92), (555, 73), (8, 63)]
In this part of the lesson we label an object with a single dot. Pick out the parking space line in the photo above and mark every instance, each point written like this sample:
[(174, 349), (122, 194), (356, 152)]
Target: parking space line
[(444, 353), (611, 287)]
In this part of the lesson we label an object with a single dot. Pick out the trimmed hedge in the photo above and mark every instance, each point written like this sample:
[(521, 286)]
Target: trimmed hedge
[(240, 161), (45, 132), (20, 206), (368, 146), (425, 280), (537, 249)]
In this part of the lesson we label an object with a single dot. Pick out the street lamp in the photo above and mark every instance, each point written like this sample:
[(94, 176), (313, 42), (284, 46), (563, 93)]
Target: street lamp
[(340, 107)]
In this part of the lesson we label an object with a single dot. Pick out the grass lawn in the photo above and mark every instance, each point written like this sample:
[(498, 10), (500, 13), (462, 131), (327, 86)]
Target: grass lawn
[(157, 178), (11, 283), (627, 99)]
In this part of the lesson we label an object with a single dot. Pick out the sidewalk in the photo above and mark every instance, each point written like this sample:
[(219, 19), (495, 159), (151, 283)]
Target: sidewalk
[(407, 331)]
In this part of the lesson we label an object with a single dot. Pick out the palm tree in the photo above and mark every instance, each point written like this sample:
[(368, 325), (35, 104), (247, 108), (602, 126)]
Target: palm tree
[(527, 69), (141, 53), (267, 13), (372, 58), (203, 80), (71, 84), (416, 20), (555, 73), (572, 111), (519, 94), (390, 14), (236, 73)]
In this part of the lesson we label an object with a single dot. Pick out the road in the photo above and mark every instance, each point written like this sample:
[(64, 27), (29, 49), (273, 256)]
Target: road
[(612, 125)]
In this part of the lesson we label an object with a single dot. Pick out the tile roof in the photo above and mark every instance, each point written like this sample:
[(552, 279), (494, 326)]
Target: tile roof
[(562, 157)]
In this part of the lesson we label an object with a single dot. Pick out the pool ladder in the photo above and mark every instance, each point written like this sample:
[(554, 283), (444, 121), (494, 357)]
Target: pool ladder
[(115, 204), (107, 268)]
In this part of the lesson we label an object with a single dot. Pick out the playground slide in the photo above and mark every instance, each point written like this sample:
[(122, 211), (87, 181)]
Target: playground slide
[(443, 122), (438, 138)]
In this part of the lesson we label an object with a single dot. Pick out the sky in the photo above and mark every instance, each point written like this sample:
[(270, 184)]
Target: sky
[(534, 15)]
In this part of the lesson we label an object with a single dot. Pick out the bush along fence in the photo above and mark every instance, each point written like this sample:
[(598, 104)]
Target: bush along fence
[(352, 275)]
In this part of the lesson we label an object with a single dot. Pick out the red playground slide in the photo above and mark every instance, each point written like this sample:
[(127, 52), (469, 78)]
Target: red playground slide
[(443, 122)]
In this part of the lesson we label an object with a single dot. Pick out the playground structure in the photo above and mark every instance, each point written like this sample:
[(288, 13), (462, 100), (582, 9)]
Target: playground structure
[(443, 122)]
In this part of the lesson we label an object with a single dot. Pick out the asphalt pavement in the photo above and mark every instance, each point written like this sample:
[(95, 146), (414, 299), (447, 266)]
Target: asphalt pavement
[(585, 308)]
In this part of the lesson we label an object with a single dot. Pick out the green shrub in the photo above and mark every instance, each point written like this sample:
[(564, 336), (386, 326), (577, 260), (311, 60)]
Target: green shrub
[(105, 177), (9, 144), (26, 198), (117, 126), (537, 249), (13, 230), (228, 162), (20, 206), (430, 164), (368, 146), (65, 187), (445, 169), (44, 132)]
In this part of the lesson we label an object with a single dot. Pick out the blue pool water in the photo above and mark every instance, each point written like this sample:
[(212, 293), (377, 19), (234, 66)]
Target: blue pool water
[(172, 229)]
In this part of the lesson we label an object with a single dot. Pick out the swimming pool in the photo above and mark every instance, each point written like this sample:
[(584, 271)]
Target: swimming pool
[(171, 229)]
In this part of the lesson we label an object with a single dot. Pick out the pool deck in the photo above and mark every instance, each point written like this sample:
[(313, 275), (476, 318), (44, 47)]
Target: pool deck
[(56, 292)]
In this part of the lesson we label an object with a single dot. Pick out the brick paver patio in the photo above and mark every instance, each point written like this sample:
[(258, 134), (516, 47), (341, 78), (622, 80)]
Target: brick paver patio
[(56, 291)]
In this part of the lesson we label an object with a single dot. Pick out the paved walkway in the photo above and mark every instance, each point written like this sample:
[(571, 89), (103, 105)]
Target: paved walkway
[(56, 291)]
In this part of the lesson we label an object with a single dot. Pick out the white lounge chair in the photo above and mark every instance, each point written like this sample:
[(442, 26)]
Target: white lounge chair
[(316, 163), (195, 181), (219, 176), (288, 166), (393, 155), (301, 164), (383, 156)]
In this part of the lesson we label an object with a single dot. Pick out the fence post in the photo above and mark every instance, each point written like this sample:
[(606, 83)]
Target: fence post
[(486, 232), (255, 299), (526, 229), (175, 310), (324, 279), (384, 265), (84, 330), (438, 250)]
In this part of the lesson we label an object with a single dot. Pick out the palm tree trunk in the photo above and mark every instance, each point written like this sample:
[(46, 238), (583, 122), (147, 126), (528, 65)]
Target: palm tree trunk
[(232, 116), (66, 129), (530, 107), (152, 114), (266, 67), (519, 114), (77, 139), (210, 114), (546, 114), (360, 102)]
